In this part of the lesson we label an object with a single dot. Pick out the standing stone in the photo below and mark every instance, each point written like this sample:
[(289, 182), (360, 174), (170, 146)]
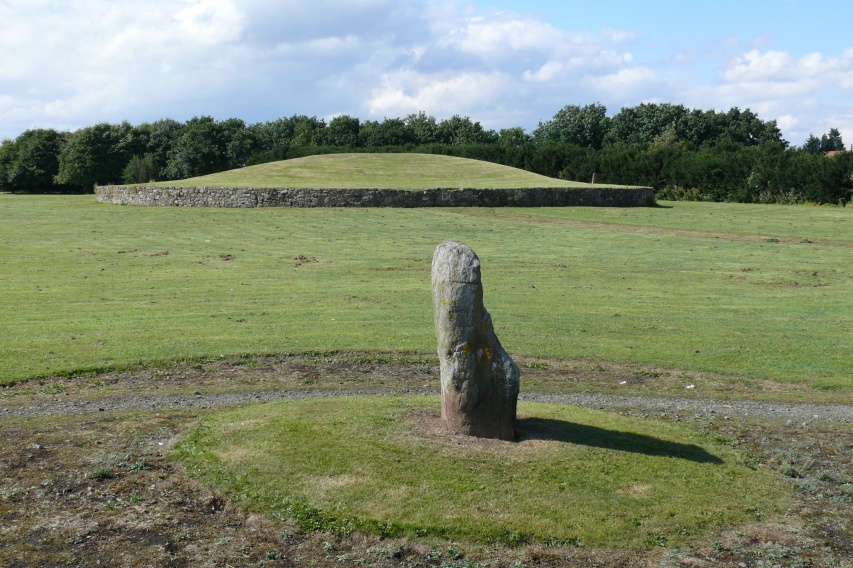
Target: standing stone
[(479, 380)]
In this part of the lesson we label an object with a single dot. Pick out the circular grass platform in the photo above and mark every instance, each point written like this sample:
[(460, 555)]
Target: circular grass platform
[(375, 180), (386, 465)]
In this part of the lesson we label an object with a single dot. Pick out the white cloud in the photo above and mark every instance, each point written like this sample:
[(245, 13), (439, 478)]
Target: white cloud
[(782, 66), (788, 122), (71, 64), (545, 73), (409, 91), (639, 81), (210, 22), (498, 37), (75, 64), (801, 93)]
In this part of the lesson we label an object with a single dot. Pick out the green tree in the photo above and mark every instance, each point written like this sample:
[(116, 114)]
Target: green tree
[(342, 131), (462, 130), (94, 155), (651, 122), (240, 142), (744, 127), (34, 161), (141, 169), (8, 154), (307, 131), (422, 127), (200, 149), (812, 145), (831, 141), (583, 126), (389, 132), (645, 123), (513, 137), (162, 135), (274, 133), (296, 130)]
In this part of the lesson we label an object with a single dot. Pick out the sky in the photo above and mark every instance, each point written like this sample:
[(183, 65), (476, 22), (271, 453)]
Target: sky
[(67, 64)]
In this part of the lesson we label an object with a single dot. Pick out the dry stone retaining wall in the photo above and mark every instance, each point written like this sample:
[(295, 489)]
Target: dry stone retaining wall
[(290, 197)]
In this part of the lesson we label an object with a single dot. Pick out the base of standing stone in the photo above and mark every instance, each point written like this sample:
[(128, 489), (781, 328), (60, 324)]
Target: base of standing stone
[(486, 421)]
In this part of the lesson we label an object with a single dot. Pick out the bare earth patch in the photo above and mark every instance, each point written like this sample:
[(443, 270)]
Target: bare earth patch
[(83, 486)]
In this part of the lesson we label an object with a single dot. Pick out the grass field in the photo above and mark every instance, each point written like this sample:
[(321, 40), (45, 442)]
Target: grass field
[(383, 171), (750, 292), (732, 301), (577, 477)]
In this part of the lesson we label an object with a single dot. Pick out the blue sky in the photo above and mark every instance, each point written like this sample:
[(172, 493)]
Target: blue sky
[(73, 63)]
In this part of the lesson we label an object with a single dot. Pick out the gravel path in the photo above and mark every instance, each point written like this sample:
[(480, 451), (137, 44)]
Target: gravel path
[(801, 412)]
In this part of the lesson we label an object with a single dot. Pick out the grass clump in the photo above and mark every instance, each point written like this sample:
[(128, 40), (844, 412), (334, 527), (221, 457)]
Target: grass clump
[(384, 465), (102, 474)]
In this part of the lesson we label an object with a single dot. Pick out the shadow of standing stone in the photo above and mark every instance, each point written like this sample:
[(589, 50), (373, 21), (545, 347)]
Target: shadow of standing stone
[(479, 380)]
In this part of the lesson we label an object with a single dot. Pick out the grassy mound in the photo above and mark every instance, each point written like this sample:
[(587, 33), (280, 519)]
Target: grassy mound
[(386, 465), (383, 171)]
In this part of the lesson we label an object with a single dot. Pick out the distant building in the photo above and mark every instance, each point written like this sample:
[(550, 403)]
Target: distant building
[(833, 153)]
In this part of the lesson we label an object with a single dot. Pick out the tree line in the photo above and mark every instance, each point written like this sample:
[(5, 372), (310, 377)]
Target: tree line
[(682, 153)]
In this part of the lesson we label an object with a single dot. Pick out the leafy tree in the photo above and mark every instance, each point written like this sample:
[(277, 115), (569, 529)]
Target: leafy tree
[(461, 130), (240, 142), (744, 127), (342, 131), (296, 130), (33, 161), (675, 124), (389, 132), (205, 146), (307, 131), (422, 127), (584, 126), (645, 123), (94, 155), (162, 135), (141, 169), (200, 149), (831, 141), (8, 154), (273, 133), (812, 145), (513, 137)]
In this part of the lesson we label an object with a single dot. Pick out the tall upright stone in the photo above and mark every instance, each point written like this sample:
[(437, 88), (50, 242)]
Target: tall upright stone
[(479, 380)]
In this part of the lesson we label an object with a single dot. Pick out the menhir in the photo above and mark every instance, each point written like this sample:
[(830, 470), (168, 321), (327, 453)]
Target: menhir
[(479, 380)]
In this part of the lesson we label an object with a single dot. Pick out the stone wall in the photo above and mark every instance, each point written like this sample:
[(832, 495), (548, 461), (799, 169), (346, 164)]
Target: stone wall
[(289, 197)]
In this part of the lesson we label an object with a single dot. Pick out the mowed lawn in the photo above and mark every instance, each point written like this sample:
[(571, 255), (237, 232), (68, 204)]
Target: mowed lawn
[(761, 292)]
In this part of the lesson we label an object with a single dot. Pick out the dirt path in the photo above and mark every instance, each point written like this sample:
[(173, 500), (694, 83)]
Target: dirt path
[(801, 412), (221, 383)]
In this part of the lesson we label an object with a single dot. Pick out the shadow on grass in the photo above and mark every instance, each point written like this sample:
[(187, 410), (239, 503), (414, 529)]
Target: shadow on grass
[(569, 432)]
